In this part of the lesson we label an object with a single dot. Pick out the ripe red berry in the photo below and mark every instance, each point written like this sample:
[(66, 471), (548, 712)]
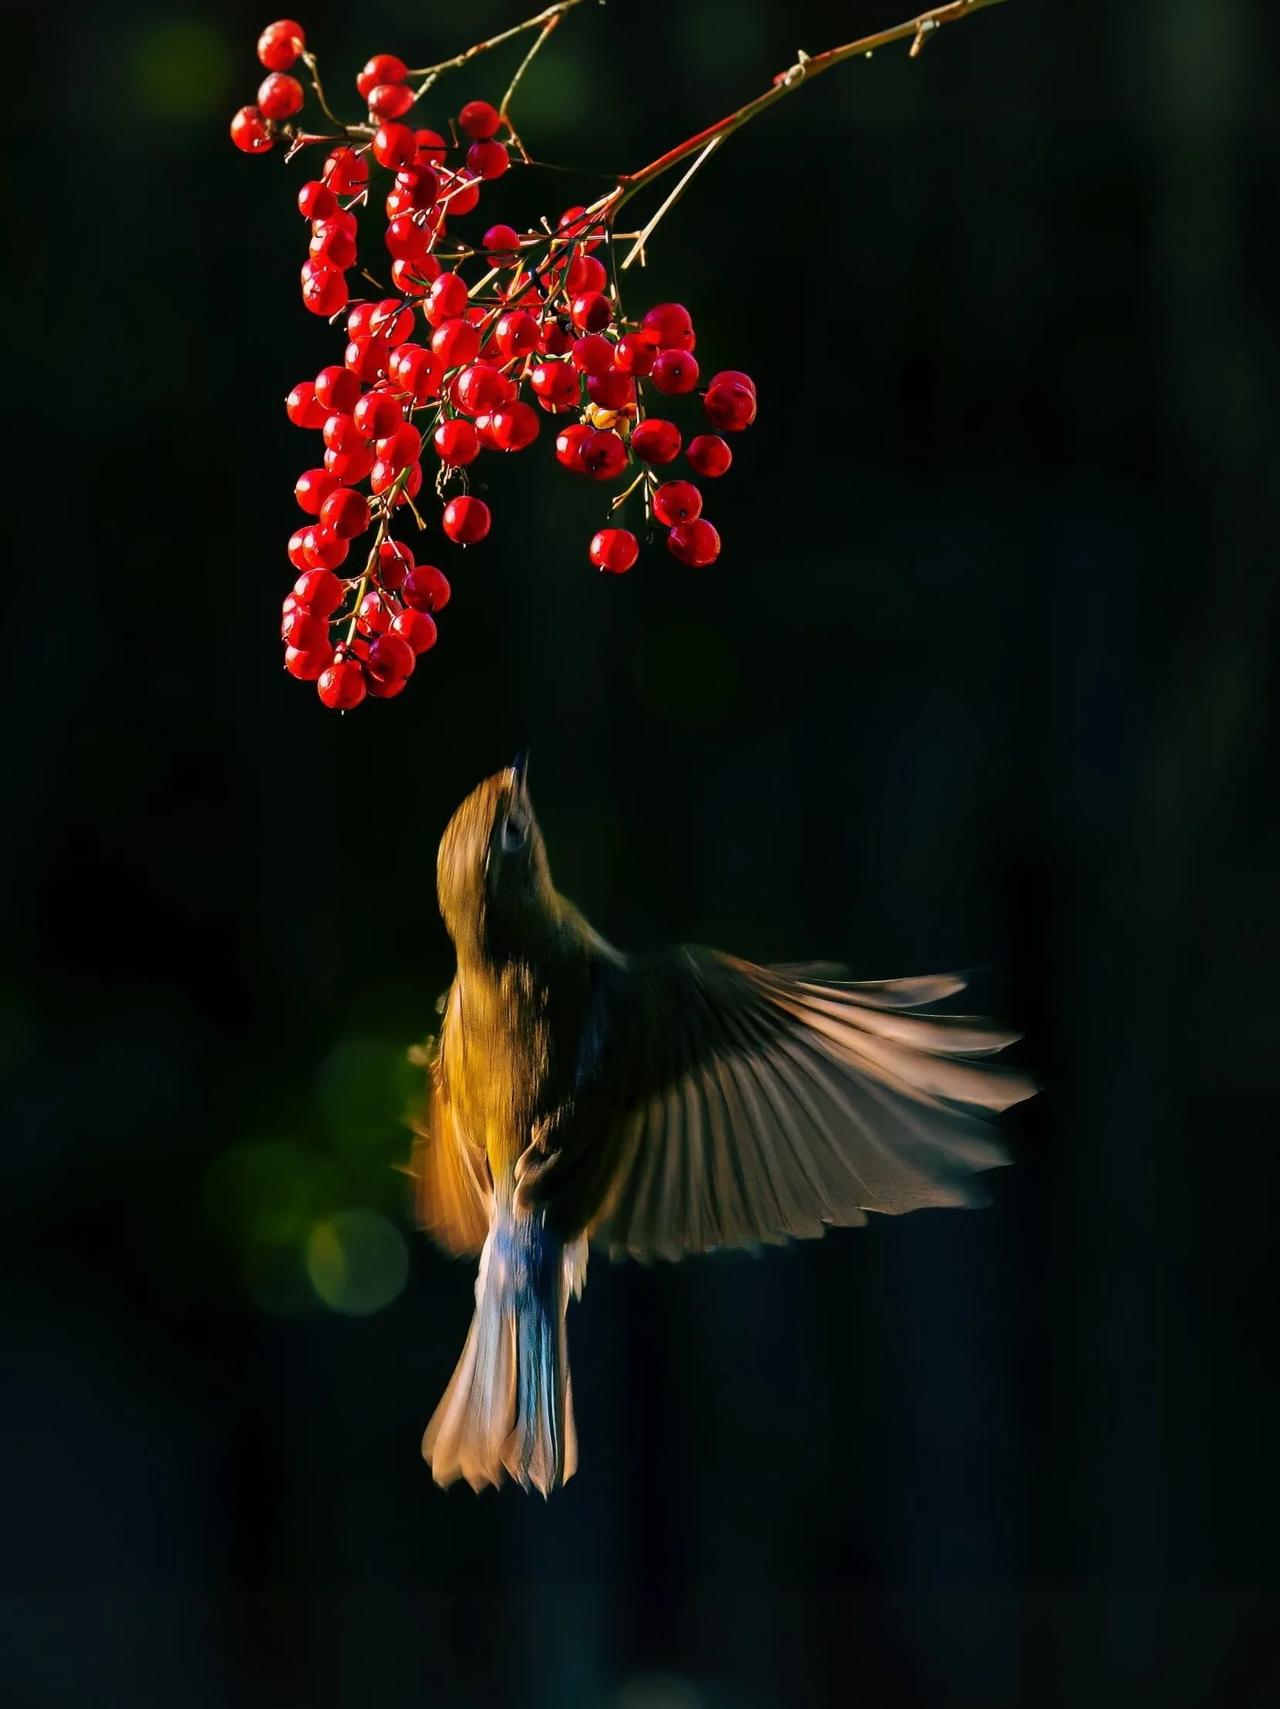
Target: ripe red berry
[(730, 408), (346, 512), (320, 590), (502, 245), (479, 120), (303, 628), (325, 550), (280, 44), (668, 326), (279, 96), (297, 551), (591, 311), (416, 628), (466, 520), (426, 588), (614, 549), (383, 476), (307, 664), (456, 442), (337, 390), (676, 502), (312, 488), (612, 390), (576, 222), (455, 342), (395, 561), (346, 172), (708, 455), (585, 273), (675, 372), (513, 426), (555, 385), (316, 201), (569, 443), (382, 68), (593, 354), (414, 276), (401, 447), (488, 160), (407, 238), (517, 333), (447, 299), (390, 100), (417, 370), (249, 131), (733, 377), (633, 355), (332, 242), (342, 685), (341, 433), (480, 389), (394, 146), (461, 193), (367, 358), (604, 456), (377, 414), (324, 290), (390, 656), (694, 543), (655, 441), (302, 407)]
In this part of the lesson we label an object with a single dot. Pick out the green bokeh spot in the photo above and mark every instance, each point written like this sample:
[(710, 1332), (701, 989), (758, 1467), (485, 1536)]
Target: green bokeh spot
[(358, 1262), (269, 1192), (180, 70), (364, 1087)]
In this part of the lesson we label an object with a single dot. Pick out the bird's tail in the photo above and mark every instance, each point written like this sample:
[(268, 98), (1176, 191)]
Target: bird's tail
[(508, 1406)]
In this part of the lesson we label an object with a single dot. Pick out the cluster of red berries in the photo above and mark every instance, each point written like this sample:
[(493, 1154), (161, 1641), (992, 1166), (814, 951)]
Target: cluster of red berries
[(462, 366)]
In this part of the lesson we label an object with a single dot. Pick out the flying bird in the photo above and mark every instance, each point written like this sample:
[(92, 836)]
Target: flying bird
[(656, 1105)]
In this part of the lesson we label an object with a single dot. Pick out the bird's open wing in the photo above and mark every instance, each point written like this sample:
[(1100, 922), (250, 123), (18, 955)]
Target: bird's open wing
[(730, 1105), (450, 1175)]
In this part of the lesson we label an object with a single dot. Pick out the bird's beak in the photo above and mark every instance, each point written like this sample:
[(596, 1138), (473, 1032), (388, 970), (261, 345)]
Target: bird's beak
[(520, 772)]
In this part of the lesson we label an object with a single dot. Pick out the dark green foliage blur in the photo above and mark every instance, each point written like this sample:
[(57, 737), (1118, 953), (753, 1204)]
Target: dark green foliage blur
[(982, 679)]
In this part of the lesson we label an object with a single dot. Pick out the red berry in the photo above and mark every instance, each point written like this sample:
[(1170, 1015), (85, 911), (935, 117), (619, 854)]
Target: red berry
[(590, 310), (574, 222), (303, 628), (333, 243), (593, 354), (462, 193), (466, 520), (585, 273), (417, 370), (733, 377), (394, 146), (367, 358), (569, 443), (342, 685), (400, 448), (346, 172), (279, 96), (341, 433), (456, 442), (668, 326), (382, 68), (346, 512), (302, 407), (407, 238), (324, 290), (377, 414), (502, 245), (478, 119), (249, 131), (513, 426), (325, 550), (555, 385), (280, 44), (655, 441), (312, 488), (517, 333), (694, 543), (432, 148), (320, 590), (390, 656), (603, 455), (414, 277), (455, 342), (730, 408), (316, 201), (480, 389), (416, 628), (426, 588), (611, 390), (632, 355), (488, 160), (337, 390), (390, 100), (306, 664), (375, 614), (395, 561), (675, 372), (447, 299), (676, 502), (383, 476), (708, 455), (614, 549), (391, 319), (297, 550), (350, 466)]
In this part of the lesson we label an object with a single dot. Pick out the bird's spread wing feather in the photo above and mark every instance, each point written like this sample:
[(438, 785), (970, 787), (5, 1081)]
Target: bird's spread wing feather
[(731, 1105), (450, 1175)]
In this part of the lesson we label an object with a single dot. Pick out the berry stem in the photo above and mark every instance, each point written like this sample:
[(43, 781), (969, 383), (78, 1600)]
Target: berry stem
[(551, 16), (806, 68), (504, 107), (637, 248)]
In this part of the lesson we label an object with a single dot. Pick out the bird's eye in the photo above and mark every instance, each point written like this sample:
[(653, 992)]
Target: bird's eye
[(515, 832)]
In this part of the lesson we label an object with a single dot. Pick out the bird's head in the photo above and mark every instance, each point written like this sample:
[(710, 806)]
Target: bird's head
[(492, 874)]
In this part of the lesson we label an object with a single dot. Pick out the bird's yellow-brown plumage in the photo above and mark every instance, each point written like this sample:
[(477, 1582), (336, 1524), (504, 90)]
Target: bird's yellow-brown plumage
[(659, 1105)]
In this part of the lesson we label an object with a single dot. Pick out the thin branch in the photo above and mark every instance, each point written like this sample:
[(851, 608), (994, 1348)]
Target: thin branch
[(637, 247), (504, 107), (431, 72)]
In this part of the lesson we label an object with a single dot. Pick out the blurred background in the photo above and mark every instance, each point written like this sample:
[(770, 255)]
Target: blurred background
[(981, 680)]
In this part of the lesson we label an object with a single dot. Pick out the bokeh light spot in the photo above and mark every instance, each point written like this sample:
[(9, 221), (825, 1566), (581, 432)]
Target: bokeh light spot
[(180, 69), (358, 1262)]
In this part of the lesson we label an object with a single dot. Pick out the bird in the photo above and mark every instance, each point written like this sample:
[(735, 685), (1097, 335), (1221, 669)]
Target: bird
[(653, 1106)]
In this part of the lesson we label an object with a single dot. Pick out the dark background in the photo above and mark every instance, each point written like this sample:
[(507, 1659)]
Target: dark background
[(980, 680)]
